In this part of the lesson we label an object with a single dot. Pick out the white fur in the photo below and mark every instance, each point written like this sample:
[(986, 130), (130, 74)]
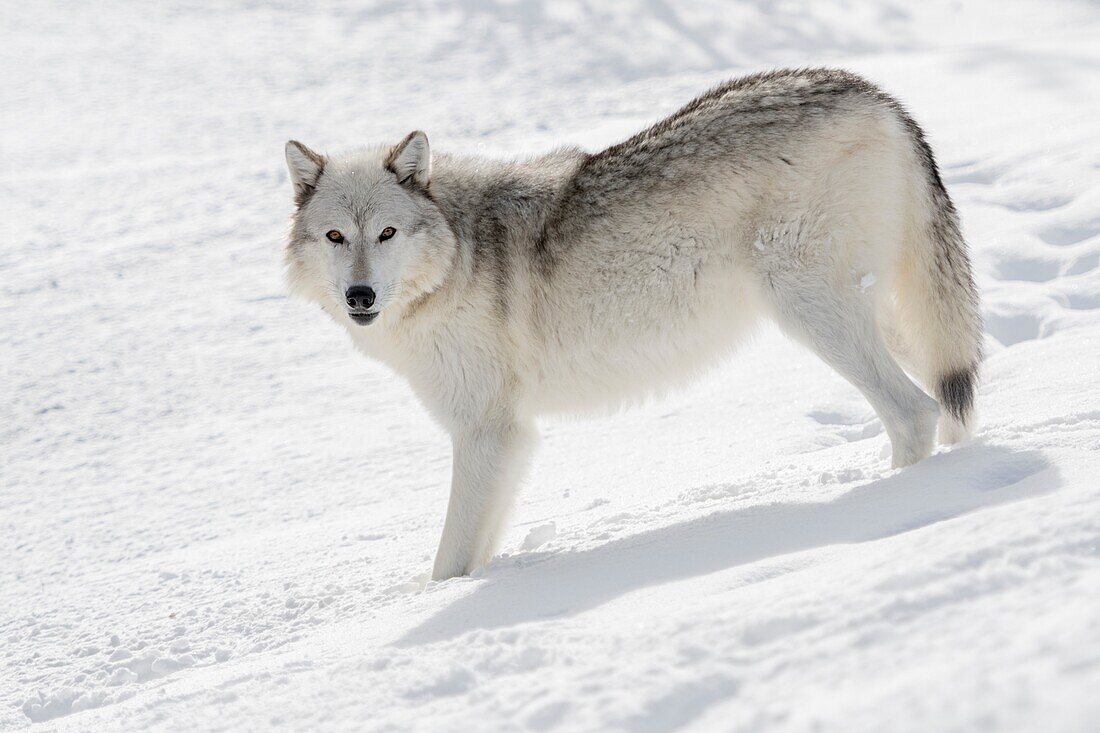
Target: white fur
[(657, 289)]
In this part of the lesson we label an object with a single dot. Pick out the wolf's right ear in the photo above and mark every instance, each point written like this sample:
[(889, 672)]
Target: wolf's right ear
[(411, 159), (305, 168)]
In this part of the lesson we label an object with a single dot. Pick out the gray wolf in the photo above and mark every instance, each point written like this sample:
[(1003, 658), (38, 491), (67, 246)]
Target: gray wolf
[(576, 282)]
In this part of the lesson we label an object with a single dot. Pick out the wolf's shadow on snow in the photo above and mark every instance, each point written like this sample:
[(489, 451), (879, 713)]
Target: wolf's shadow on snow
[(937, 489)]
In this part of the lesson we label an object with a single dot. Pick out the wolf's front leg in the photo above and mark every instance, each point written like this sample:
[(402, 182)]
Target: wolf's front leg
[(488, 464)]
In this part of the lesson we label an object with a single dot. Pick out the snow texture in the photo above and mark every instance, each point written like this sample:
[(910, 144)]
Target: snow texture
[(216, 516)]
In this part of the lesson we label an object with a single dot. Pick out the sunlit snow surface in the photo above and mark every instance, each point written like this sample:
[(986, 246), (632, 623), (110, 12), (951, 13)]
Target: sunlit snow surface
[(215, 515)]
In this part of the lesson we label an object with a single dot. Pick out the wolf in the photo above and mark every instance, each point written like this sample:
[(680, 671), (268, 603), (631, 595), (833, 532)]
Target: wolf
[(573, 281)]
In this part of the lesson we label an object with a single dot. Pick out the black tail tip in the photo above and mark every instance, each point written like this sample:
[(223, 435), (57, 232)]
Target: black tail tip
[(956, 393)]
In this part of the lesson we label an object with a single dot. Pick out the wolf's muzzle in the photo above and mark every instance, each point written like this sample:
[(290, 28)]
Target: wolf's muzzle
[(359, 299)]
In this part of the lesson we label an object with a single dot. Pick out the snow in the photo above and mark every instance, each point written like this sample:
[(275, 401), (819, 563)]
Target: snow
[(216, 516), (539, 536)]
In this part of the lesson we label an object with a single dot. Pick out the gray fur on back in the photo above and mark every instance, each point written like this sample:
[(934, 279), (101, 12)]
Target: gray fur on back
[(518, 214)]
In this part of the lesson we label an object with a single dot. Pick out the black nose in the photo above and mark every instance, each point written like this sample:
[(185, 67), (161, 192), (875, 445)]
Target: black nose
[(360, 297)]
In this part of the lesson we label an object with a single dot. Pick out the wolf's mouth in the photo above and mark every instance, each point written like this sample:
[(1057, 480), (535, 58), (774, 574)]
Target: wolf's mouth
[(363, 318)]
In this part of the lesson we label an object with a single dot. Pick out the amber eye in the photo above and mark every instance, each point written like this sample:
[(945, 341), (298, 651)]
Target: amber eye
[(335, 236), (386, 234)]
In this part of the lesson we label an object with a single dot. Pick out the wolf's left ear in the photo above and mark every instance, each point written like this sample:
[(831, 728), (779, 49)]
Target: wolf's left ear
[(411, 159), (305, 168)]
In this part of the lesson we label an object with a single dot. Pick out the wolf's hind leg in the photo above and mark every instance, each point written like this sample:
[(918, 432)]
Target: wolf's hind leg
[(836, 320)]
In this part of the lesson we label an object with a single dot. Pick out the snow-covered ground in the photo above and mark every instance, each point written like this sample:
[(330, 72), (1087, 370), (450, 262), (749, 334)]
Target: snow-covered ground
[(215, 516)]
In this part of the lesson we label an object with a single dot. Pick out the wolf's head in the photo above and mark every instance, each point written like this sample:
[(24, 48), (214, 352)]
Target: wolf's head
[(367, 237)]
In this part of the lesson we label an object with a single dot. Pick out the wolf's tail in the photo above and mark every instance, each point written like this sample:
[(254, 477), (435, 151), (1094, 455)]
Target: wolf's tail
[(938, 305)]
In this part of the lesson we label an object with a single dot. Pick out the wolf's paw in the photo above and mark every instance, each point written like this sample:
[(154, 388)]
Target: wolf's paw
[(918, 438), (907, 456), (951, 431)]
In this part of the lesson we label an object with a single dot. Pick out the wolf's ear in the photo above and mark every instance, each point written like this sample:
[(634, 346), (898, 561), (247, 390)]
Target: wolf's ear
[(305, 167), (411, 159)]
